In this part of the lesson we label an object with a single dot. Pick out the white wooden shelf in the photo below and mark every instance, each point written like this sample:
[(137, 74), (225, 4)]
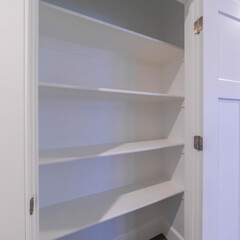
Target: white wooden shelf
[(66, 25), (102, 150), (51, 88), (68, 217)]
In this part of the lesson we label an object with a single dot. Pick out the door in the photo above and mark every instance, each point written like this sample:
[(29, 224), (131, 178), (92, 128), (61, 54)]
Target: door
[(221, 122)]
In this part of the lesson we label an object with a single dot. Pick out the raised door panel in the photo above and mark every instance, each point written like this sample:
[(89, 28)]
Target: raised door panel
[(229, 48), (230, 7), (229, 189)]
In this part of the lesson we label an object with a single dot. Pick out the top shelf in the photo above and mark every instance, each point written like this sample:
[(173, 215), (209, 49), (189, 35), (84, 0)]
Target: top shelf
[(60, 23)]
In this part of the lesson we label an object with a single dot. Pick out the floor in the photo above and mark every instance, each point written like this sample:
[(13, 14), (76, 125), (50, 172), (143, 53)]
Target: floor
[(159, 237)]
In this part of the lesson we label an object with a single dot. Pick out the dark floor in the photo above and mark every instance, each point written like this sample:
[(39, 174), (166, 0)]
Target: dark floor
[(159, 237)]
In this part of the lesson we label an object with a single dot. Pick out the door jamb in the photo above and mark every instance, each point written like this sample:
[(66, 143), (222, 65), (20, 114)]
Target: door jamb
[(193, 121), (31, 116)]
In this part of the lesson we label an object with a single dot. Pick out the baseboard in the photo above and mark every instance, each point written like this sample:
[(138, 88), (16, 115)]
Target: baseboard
[(170, 232), (151, 230), (144, 232), (174, 235)]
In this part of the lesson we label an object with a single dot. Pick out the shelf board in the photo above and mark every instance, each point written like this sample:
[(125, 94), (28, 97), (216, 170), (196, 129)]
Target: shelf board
[(59, 23), (68, 217), (51, 88), (102, 150)]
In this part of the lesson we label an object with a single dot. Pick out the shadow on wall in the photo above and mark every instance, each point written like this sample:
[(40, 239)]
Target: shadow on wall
[(141, 225), (129, 14)]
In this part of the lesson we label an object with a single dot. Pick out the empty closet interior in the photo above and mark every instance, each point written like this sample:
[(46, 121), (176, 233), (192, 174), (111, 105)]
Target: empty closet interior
[(111, 129)]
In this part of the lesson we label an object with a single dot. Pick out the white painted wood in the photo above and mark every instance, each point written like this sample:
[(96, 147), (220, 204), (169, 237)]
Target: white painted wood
[(104, 174), (230, 7), (192, 208), (65, 218), (18, 56), (221, 174), (170, 232), (210, 113), (75, 64), (89, 70), (227, 87), (31, 117), (117, 229), (194, 122), (51, 88), (72, 121), (19, 121), (74, 27), (229, 170), (229, 53), (103, 150), (172, 212)]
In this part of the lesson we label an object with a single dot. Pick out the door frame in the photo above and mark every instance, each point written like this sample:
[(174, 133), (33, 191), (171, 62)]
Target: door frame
[(194, 121), (31, 116), (18, 91)]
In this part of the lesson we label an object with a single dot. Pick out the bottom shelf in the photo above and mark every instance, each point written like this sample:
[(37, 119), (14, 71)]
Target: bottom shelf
[(68, 217)]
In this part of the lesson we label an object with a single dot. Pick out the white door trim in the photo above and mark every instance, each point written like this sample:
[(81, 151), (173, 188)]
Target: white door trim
[(194, 122), (31, 116), (18, 75)]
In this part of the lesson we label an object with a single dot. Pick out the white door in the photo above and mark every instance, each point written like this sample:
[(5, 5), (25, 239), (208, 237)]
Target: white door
[(221, 109)]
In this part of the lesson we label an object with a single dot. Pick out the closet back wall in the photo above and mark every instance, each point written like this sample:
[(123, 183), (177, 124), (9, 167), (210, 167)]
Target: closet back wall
[(145, 17)]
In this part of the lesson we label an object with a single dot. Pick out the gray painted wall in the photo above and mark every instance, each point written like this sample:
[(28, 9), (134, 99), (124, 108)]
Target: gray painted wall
[(161, 19)]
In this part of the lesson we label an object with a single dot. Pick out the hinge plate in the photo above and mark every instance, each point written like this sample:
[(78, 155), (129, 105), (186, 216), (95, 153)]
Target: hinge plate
[(31, 209), (198, 143), (198, 26)]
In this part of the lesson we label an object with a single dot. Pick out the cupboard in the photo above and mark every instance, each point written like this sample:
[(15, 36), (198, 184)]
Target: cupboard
[(112, 122), (111, 130)]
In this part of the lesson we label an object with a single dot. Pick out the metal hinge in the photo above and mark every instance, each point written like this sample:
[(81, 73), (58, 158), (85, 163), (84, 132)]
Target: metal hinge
[(198, 143), (198, 26), (31, 208)]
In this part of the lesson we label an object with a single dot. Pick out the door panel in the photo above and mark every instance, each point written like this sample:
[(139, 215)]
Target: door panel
[(228, 200), (221, 110), (230, 7), (229, 48)]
